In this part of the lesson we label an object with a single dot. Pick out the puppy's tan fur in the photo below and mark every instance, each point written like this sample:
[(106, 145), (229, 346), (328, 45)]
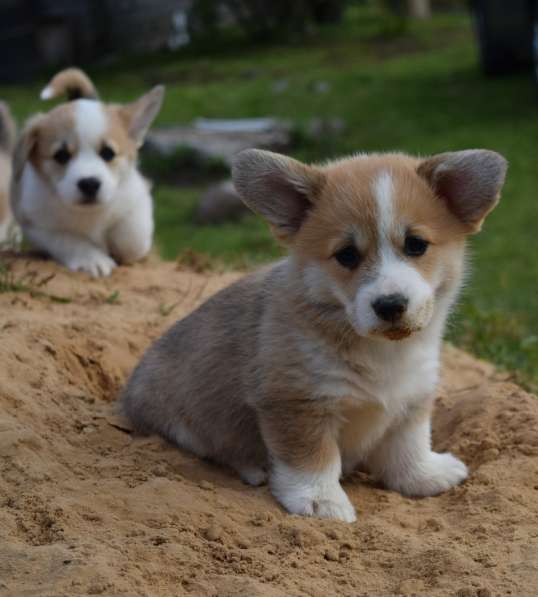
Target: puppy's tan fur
[(289, 370)]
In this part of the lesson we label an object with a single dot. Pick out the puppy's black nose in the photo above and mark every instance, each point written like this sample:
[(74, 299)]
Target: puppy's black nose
[(390, 307), (89, 186)]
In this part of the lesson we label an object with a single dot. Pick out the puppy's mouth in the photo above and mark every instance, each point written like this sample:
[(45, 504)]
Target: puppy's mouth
[(89, 201), (397, 333)]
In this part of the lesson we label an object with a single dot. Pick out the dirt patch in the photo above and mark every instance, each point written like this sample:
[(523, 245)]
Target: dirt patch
[(88, 508)]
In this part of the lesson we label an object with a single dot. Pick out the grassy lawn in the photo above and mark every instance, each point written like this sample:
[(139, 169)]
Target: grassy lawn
[(417, 90)]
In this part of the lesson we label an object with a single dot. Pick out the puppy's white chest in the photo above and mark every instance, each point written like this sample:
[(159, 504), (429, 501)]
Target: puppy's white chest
[(384, 391), (389, 377)]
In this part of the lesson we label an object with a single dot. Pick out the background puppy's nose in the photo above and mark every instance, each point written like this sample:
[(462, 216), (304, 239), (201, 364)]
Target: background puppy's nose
[(89, 186), (390, 307)]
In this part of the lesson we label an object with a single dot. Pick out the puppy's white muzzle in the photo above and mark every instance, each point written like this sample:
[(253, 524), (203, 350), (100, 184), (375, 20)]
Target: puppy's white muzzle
[(398, 302)]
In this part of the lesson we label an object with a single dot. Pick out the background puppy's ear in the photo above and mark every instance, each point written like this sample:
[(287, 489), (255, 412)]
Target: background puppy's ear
[(279, 188), (469, 181), (72, 82), (140, 114), (26, 144), (8, 129)]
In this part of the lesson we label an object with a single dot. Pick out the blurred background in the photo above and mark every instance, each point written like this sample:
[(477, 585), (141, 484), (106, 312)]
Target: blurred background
[(315, 79)]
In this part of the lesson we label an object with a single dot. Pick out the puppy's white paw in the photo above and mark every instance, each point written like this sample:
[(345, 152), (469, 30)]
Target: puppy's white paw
[(329, 502), (437, 473), (94, 263)]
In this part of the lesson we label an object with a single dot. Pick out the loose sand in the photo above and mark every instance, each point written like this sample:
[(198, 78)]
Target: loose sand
[(86, 507)]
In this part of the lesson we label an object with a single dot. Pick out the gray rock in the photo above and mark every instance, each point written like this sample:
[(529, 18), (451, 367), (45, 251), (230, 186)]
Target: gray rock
[(320, 86), (221, 138), (280, 86), (220, 203)]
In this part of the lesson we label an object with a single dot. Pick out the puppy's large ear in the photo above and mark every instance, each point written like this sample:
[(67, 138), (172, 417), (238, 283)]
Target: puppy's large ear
[(139, 115), (26, 144), (72, 82), (279, 188), (469, 182)]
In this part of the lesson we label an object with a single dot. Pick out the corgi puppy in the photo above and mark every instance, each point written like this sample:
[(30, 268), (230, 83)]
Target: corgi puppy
[(329, 359), (77, 193), (8, 134)]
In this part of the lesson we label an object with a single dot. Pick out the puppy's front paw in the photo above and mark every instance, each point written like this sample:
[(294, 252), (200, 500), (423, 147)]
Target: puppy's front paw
[(330, 502), (94, 263), (438, 473)]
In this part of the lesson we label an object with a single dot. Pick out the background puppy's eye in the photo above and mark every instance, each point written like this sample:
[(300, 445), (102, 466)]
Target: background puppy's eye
[(62, 156), (415, 246), (107, 153), (348, 257)]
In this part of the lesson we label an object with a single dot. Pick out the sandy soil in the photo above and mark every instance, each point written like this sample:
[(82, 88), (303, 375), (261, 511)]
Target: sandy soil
[(86, 507)]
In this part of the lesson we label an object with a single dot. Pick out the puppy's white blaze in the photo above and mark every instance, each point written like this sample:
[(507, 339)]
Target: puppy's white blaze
[(383, 190), (90, 122), (90, 126), (47, 93), (312, 493)]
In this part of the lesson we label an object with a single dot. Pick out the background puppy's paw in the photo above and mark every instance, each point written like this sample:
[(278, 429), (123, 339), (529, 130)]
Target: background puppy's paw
[(95, 264), (437, 474)]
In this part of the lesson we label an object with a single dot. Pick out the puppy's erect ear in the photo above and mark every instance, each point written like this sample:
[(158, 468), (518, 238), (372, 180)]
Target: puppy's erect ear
[(26, 145), (72, 82), (279, 188), (469, 181), (139, 115)]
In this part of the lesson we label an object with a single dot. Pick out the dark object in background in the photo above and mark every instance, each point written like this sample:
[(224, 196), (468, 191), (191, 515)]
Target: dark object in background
[(220, 203), (36, 35), (505, 33), (263, 20)]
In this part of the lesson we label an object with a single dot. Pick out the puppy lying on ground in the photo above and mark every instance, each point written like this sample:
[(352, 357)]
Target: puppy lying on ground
[(77, 192), (8, 134), (329, 359)]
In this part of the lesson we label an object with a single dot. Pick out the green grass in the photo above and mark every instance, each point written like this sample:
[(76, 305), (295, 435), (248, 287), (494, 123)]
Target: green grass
[(416, 89)]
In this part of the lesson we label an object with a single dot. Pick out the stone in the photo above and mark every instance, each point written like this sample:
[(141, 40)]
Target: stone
[(220, 203), (220, 139)]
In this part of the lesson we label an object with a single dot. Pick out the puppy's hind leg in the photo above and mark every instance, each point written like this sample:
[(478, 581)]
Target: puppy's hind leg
[(252, 475), (130, 239)]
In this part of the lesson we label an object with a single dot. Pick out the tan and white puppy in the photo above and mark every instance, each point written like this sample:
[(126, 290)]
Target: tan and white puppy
[(329, 359), (8, 134), (77, 192)]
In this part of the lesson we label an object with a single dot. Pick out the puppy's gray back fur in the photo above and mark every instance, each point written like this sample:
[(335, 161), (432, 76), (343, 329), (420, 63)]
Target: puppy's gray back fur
[(193, 379)]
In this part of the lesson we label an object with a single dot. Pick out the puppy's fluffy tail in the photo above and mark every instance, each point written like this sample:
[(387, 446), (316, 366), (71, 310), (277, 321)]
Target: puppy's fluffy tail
[(8, 130), (72, 82)]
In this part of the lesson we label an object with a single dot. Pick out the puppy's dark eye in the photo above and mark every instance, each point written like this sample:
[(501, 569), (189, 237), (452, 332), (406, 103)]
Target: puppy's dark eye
[(107, 153), (348, 257), (415, 246), (62, 156)]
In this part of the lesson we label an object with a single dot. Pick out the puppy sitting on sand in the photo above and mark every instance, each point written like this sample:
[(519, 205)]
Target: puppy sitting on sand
[(329, 359), (77, 192)]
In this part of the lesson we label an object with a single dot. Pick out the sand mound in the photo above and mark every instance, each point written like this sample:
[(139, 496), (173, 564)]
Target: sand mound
[(88, 508)]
